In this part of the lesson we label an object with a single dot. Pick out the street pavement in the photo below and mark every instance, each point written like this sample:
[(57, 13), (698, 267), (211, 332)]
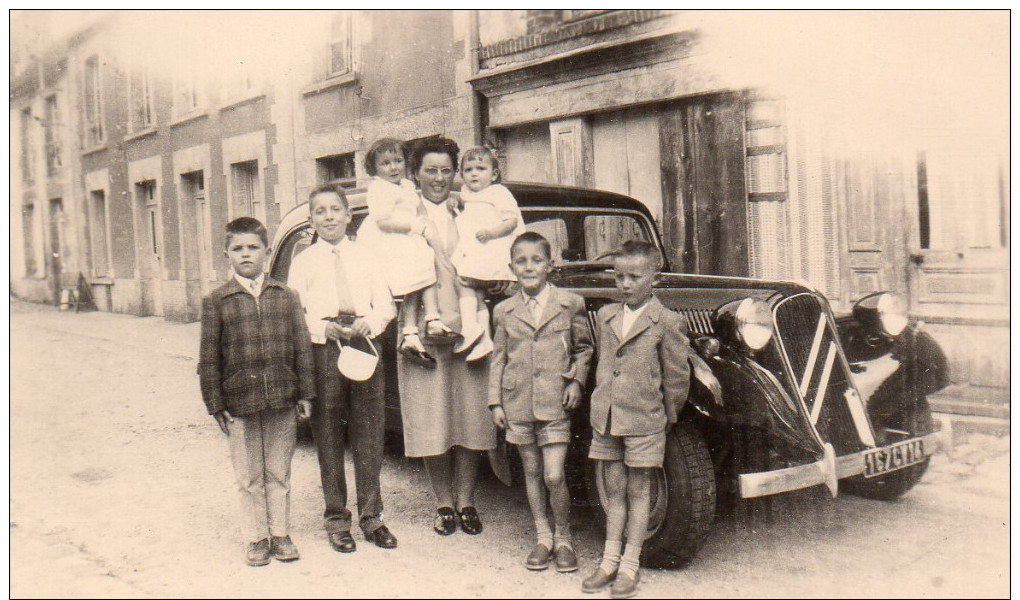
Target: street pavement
[(121, 487)]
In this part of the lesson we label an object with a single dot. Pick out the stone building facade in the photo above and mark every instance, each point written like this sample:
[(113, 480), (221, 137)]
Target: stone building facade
[(126, 171)]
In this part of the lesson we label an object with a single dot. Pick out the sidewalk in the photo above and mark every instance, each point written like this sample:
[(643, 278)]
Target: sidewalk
[(963, 410), (142, 333)]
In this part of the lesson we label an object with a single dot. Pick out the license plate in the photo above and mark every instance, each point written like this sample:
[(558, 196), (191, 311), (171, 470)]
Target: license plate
[(892, 458)]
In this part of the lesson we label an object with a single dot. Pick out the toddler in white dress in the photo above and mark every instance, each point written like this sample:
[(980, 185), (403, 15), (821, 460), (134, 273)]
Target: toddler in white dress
[(488, 222), (393, 232)]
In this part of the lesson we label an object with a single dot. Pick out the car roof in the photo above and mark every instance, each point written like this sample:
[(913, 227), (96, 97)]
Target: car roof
[(528, 195)]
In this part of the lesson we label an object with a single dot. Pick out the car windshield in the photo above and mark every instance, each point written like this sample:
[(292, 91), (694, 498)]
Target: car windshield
[(585, 236)]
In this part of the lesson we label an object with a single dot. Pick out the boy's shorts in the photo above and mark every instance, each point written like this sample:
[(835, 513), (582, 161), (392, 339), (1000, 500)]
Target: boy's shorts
[(639, 451), (543, 433)]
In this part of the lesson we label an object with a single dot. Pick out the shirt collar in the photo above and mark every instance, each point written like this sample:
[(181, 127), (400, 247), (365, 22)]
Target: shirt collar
[(247, 283), (627, 310), (334, 247), (541, 297)]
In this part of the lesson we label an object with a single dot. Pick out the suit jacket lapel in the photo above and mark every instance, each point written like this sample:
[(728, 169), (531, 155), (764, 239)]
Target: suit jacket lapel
[(520, 310), (552, 305), (614, 319), (644, 320)]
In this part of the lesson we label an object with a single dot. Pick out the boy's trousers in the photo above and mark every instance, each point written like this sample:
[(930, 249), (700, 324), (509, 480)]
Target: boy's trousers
[(342, 410), (261, 448)]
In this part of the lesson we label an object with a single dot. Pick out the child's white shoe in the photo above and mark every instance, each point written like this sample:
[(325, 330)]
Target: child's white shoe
[(481, 349), (471, 335)]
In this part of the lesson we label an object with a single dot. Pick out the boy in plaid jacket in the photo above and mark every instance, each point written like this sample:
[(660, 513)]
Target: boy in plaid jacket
[(255, 364)]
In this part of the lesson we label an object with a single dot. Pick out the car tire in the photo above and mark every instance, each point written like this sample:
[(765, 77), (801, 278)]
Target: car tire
[(683, 499), (917, 420)]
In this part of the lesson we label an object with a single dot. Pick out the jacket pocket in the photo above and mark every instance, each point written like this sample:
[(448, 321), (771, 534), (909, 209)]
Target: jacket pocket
[(240, 381), (281, 381), (509, 381)]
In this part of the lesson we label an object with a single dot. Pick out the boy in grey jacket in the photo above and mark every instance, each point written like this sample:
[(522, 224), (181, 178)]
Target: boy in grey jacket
[(542, 353)]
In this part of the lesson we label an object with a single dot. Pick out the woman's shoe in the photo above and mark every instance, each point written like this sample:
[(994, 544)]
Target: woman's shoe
[(446, 521), (469, 521), (412, 349), (436, 332)]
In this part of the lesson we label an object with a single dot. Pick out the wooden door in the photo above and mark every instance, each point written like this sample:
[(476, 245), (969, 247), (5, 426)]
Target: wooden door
[(704, 195), (202, 230), (150, 251), (875, 193)]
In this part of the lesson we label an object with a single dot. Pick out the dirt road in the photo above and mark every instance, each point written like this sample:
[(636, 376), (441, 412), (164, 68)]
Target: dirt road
[(121, 487)]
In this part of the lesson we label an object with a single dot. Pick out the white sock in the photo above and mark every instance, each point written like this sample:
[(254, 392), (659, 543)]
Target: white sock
[(543, 534), (611, 556), (562, 537), (631, 560), (468, 313)]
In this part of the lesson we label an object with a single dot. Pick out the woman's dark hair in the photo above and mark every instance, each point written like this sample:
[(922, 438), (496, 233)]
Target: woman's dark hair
[(431, 145), (378, 147)]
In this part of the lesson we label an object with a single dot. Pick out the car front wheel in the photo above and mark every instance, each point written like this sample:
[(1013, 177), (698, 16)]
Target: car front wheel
[(682, 499)]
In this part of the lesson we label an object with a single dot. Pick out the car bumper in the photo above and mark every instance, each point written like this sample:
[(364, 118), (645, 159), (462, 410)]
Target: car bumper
[(828, 471)]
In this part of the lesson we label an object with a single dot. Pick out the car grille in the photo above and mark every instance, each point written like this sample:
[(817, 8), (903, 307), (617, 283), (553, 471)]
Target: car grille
[(819, 374), (699, 320)]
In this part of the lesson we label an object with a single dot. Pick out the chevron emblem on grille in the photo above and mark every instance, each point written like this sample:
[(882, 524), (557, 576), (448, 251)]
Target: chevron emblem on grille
[(826, 352)]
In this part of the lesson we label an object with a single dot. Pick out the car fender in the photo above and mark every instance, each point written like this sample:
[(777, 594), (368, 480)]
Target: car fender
[(753, 397), (892, 383)]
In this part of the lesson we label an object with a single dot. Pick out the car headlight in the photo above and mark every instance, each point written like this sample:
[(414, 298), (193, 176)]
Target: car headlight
[(883, 310), (749, 321)]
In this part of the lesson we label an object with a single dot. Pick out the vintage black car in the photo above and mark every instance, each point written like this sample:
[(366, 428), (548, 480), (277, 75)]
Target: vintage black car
[(785, 394)]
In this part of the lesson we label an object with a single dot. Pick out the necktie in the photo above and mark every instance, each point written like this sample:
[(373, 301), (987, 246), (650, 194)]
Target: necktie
[(345, 305), (533, 307)]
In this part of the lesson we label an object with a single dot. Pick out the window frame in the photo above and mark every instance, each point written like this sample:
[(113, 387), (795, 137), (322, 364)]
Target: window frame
[(94, 132), (145, 75), (27, 149), (51, 130)]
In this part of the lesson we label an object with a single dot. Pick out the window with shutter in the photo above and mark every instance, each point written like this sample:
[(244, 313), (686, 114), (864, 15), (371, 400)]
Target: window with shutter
[(27, 151), (140, 115), (767, 190), (336, 169), (245, 185), (93, 103), (53, 128)]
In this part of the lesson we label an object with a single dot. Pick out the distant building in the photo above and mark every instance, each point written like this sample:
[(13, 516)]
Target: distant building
[(126, 173)]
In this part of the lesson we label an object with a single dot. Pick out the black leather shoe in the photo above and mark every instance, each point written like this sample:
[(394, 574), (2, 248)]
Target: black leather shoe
[(422, 359), (382, 537), (341, 541), (446, 521), (469, 521)]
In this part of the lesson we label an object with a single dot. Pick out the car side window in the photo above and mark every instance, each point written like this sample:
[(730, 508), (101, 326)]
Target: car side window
[(604, 233), (554, 230), (577, 236)]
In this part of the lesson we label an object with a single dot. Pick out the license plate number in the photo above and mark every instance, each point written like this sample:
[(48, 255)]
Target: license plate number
[(892, 458)]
